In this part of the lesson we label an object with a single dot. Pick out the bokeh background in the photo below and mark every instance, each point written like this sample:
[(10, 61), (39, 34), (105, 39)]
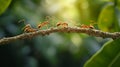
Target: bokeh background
[(56, 49)]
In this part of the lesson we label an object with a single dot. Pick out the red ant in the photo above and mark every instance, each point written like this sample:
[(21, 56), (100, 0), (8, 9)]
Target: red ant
[(42, 24), (63, 24), (87, 26), (28, 28)]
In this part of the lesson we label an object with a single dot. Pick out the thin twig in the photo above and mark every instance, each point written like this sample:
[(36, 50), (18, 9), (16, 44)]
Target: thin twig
[(88, 31)]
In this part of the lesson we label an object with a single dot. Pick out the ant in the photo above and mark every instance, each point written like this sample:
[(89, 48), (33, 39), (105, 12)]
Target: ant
[(43, 24), (63, 24), (87, 26), (28, 28)]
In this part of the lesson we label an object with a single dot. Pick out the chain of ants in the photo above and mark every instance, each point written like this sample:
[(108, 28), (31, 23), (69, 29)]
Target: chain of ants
[(28, 28)]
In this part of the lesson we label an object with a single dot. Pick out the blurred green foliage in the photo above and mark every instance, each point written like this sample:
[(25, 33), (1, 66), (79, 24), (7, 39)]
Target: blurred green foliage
[(107, 56), (3, 5), (56, 49), (108, 19)]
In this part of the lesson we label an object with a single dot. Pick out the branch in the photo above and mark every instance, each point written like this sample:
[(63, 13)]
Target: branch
[(88, 31)]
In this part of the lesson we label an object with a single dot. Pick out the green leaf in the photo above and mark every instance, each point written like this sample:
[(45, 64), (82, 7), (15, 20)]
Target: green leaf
[(3, 5), (107, 56), (118, 4), (107, 20)]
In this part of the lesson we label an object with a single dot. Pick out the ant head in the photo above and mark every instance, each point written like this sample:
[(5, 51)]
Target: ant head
[(59, 23), (91, 26), (39, 26)]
